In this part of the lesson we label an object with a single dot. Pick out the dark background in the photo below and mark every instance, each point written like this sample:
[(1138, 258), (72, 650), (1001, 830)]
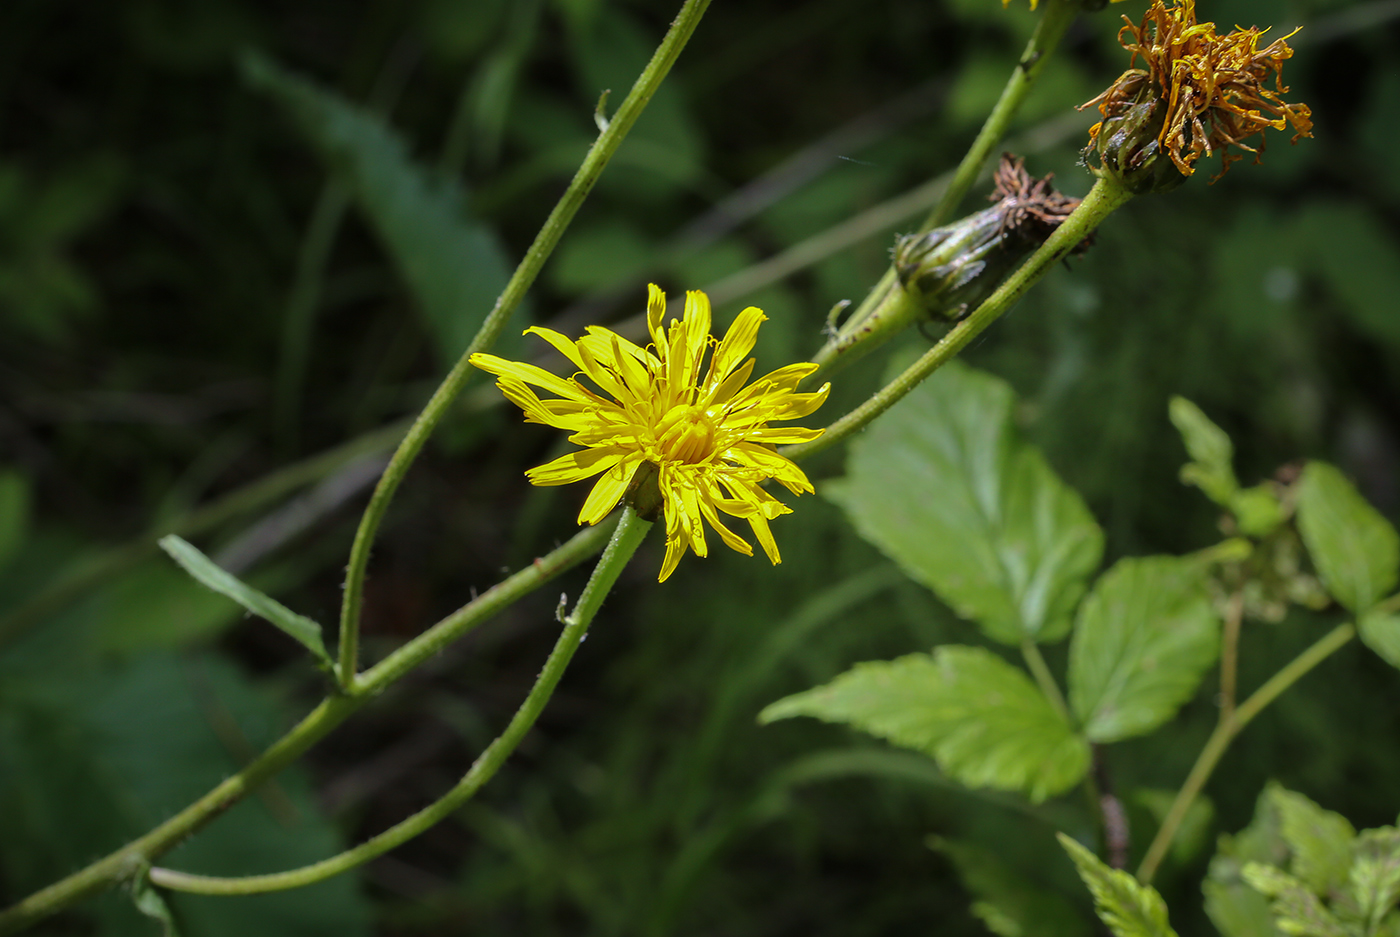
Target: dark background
[(157, 200)]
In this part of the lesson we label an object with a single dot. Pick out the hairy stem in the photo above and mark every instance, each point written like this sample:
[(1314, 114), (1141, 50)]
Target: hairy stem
[(630, 532), (593, 164), (1048, 33), (1225, 733), (127, 860), (1101, 201)]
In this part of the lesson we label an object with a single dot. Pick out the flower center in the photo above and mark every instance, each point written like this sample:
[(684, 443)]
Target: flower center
[(686, 434)]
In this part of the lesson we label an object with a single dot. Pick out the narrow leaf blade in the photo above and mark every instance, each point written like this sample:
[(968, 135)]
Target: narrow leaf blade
[(945, 487), (455, 265), (1142, 641), (203, 570), (981, 719), (1355, 549)]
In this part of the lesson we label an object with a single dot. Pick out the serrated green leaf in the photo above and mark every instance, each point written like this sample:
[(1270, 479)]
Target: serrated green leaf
[(14, 512), (305, 631), (1296, 910), (1142, 641), (455, 265), (981, 719), (1008, 904), (1211, 467), (1355, 549), (1128, 908), (1374, 878), (944, 486), (1380, 631), (1319, 840)]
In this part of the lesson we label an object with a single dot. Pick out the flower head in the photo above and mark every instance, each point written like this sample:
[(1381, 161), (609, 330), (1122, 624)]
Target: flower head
[(950, 270), (660, 427), (1200, 92)]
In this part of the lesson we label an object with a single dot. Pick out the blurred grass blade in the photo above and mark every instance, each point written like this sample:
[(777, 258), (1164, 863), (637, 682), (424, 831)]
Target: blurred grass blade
[(455, 266), (302, 629)]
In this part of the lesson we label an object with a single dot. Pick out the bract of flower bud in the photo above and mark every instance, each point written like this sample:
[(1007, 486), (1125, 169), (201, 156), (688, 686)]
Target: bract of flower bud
[(949, 271), (1128, 143)]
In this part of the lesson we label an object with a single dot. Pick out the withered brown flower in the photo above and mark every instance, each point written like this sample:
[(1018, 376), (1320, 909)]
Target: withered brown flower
[(1199, 92)]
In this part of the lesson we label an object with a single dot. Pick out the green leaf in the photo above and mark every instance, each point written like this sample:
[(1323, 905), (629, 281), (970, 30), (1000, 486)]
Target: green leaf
[(1380, 631), (455, 265), (1374, 879), (1320, 840), (93, 758), (1142, 641), (943, 485), (1129, 909), (980, 718), (150, 902), (14, 513), (1007, 903), (1212, 454), (305, 631), (1236, 909), (1355, 549), (1296, 910)]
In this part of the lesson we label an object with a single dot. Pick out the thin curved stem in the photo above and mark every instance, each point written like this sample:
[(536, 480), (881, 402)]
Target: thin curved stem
[(593, 164), (1043, 42), (1102, 200), (630, 532), (1225, 733), (127, 860)]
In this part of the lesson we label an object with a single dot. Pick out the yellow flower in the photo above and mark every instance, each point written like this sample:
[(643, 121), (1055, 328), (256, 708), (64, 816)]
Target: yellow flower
[(705, 438)]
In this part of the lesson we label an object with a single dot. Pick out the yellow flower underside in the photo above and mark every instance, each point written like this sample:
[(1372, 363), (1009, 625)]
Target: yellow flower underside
[(706, 434)]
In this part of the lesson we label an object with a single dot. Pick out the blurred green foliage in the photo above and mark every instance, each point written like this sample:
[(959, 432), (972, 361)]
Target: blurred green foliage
[(156, 207)]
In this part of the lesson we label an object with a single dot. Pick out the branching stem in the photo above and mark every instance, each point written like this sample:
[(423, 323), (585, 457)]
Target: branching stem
[(593, 164), (630, 532), (1225, 733)]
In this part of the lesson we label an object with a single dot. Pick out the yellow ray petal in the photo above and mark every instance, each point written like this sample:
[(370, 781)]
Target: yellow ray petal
[(608, 491), (574, 466), (530, 374), (738, 342), (656, 311)]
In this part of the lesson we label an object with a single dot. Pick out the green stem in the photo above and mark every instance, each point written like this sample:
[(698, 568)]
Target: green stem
[(593, 164), (123, 863), (1230, 654), (1225, 733), (630, 532), (1043, 42), (1102, 200), (1044, 679)]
